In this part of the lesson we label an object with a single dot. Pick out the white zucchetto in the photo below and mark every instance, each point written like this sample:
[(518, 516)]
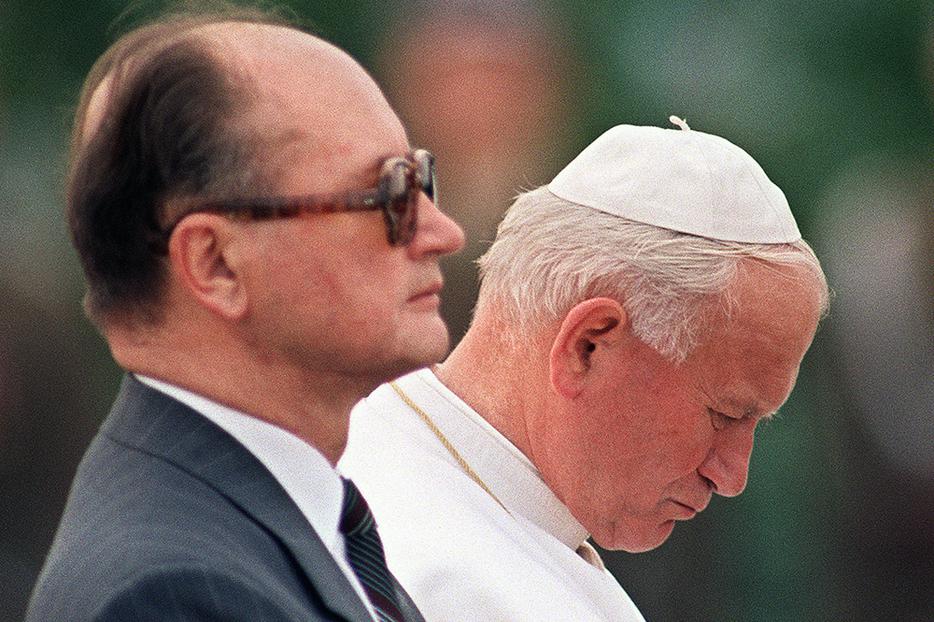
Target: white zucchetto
[(679, 179)]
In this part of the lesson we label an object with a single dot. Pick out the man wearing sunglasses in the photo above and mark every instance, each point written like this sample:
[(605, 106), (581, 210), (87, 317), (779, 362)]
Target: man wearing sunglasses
[(261, 247), (637, 318)]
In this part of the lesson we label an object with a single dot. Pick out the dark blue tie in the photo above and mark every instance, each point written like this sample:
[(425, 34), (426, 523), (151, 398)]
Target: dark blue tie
[(365, 554)]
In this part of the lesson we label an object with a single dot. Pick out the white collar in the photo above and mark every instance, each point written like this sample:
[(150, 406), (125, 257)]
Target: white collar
[(305, 474), (508, 473)]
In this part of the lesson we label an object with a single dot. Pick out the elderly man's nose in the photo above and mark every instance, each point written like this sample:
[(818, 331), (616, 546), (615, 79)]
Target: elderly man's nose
[(727, 463)]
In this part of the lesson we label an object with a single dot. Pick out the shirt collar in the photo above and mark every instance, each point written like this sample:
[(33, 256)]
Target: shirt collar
[(509, 474), (305, 474)]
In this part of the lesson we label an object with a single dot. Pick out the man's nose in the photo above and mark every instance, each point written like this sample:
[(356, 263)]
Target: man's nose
[(437, 234), (727, 463)]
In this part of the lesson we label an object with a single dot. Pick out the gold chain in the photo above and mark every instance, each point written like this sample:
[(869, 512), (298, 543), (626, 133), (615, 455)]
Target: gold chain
[(447, 444), (588, 553)]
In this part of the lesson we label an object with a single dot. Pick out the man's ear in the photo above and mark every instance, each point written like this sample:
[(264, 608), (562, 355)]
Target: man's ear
[(588, 331), (202, 254)]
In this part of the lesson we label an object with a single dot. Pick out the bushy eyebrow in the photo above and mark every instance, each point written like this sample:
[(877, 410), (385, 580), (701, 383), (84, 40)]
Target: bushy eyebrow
[(753, 411), (763, 416), (750, 410)]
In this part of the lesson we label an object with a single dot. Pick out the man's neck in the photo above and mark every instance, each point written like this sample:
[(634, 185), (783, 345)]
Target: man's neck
[(315, 406), (497, 386)]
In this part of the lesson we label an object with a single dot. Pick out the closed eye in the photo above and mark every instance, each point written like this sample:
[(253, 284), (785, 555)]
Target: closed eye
[(720, 420)]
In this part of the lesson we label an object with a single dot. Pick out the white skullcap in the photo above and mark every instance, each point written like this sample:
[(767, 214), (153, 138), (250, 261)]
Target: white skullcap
[(679, 179)]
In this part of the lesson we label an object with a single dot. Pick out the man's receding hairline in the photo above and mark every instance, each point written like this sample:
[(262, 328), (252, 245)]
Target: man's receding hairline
[(224, 34), (207, 34), (248, 49), (102, 96)]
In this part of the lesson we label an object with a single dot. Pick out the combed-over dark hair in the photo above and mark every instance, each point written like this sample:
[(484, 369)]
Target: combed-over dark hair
[(169, 129)]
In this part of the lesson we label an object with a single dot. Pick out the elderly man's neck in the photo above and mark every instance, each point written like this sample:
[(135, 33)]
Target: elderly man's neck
[(313, 404), (502, 379)]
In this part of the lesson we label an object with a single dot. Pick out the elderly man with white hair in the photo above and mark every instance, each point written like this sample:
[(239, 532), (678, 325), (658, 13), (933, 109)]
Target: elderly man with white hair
[(637, 318)]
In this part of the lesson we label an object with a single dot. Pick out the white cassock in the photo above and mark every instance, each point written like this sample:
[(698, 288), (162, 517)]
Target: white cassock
[(460, 554)]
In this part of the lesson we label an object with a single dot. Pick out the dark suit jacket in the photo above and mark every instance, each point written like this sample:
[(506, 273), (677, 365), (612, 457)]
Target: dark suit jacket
[(170, 518)]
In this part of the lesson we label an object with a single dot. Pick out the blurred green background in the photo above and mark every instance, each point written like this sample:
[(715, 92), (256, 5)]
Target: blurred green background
[(834, 98)]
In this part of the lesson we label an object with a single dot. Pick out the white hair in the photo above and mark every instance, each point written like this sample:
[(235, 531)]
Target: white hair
[(551, 254)]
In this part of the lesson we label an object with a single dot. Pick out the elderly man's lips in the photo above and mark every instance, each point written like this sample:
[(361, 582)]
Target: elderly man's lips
[(684, 511)]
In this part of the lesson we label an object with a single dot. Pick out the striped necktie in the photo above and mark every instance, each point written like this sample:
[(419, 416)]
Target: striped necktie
[(365, 554)]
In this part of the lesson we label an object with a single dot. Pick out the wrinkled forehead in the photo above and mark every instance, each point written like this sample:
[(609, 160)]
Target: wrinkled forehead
[(755, 349)]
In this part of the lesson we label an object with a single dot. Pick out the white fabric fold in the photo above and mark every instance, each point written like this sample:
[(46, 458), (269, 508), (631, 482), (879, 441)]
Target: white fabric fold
[(458, 553)]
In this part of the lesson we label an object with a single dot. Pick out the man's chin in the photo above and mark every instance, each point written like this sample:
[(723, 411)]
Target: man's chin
[(429, 345), (635, 539)]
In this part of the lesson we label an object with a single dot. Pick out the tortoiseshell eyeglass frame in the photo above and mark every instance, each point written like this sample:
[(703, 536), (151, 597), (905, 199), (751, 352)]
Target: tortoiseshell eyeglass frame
[(400, 182)]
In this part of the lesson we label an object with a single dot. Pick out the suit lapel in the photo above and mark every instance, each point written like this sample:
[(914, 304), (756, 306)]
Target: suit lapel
[(155, 423)]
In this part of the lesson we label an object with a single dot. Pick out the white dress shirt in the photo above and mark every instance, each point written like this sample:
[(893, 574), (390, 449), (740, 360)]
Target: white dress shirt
[(303, 472), (459, 554)]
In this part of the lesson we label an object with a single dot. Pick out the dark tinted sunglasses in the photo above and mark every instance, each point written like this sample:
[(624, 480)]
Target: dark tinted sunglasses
[(400, 182)]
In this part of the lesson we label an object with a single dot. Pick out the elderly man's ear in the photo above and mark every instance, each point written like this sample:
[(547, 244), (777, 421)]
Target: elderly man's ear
[(205, 258), (587, 344)]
